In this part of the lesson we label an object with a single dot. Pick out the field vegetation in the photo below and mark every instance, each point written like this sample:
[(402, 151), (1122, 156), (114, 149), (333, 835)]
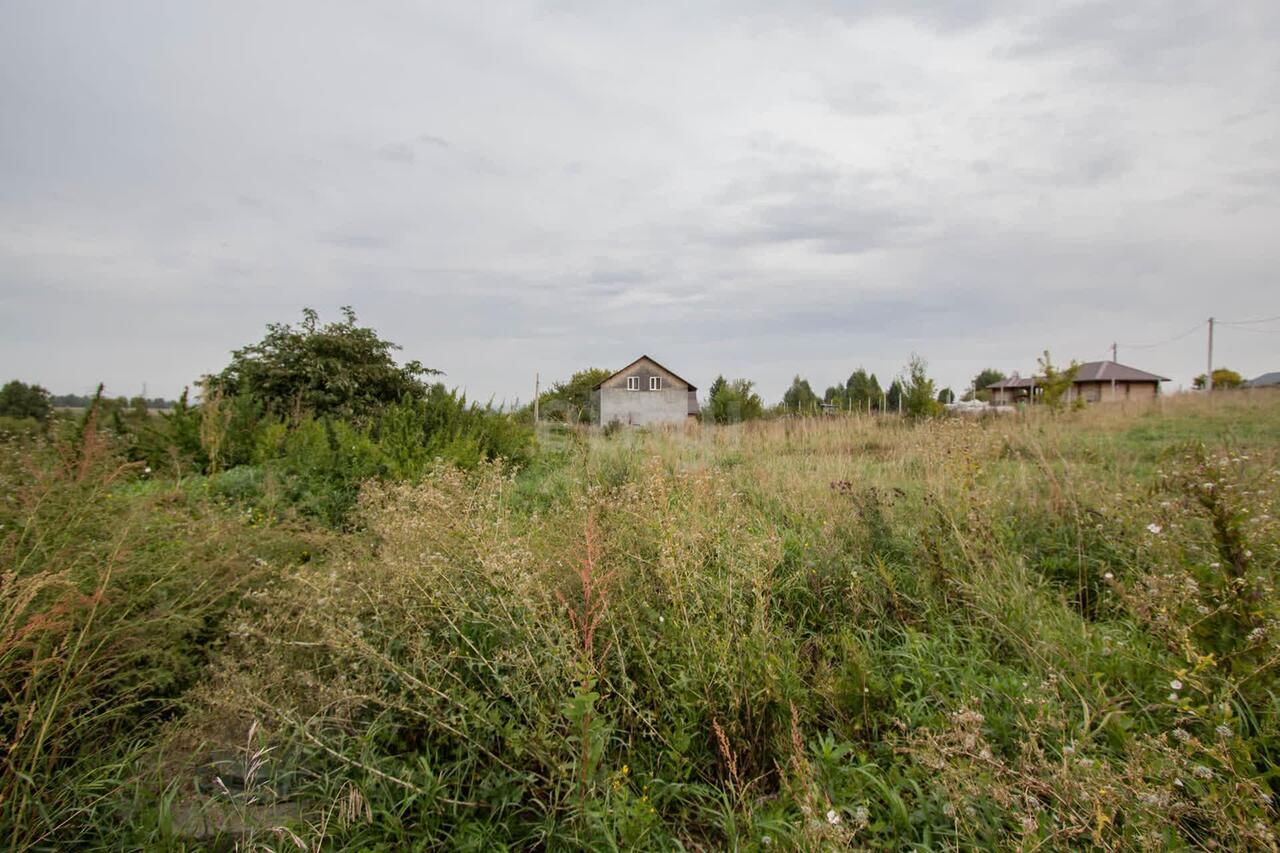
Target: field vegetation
[(409, 626)]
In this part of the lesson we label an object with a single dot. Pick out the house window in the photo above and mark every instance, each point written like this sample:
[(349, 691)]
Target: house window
[(655, 383), (633, 383)]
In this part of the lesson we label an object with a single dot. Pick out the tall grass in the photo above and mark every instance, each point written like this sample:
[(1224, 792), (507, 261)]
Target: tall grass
[(1034, 632), (111, 597), (1031, 632)]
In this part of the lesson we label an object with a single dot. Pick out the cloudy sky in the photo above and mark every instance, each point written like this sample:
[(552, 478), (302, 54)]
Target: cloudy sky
[(755, 189)]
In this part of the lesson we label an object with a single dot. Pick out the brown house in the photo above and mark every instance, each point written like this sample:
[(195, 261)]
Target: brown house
[(1095, 382)]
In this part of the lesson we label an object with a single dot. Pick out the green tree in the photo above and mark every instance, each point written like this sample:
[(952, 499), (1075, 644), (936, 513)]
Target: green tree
[(1054, 383), (1222, 378), (893, 396), (861, 389), (339, 369), (800, 398), (919, 399), (574, 401), (946, 396), (733, 402), (20, 400), (987, 376)]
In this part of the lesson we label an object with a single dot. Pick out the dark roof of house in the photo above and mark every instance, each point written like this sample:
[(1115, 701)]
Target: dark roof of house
[(1266, 380), (692, 387), (1090, 371), (1013, 382), (1106, 371)]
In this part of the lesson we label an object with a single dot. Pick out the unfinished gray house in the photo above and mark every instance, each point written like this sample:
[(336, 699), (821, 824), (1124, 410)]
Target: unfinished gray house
[(644, 393)]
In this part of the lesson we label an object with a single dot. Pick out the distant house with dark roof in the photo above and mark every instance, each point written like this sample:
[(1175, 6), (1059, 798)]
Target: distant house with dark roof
[(1015, 389), (1095, 382), (1266, 380), (645, 393)]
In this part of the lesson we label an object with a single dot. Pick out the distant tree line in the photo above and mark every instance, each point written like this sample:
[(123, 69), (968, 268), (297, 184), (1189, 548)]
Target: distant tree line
[(81, 401)]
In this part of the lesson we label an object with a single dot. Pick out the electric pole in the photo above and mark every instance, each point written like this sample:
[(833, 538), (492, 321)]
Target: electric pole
[(1208, 375), (1113, 354), (537, 392)]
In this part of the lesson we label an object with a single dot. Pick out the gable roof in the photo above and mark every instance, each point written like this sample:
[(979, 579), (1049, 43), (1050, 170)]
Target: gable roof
[(652, 361), (1266, 380)]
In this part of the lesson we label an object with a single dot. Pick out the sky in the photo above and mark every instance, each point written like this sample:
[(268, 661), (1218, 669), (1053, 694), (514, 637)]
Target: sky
[(750, 189)]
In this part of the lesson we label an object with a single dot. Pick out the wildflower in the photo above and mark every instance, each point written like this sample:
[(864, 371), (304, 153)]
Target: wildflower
[(861, 815), (1173, 697), (766, 841), (1155, 528), (1223, 732), (1109, 576), (1068, 750), (1176, 684), (833, 817), (1182, 734), (1256, 635), (146, 470)]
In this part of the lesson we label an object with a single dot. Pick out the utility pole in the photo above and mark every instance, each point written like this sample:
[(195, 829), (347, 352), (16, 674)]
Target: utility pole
[(1208, 374), (1113, 354), (537, 392)]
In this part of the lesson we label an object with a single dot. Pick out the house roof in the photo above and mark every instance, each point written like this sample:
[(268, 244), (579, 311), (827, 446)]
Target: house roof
[(1266, 380), (1013, 382), (652, 361), (1106, 371), (1090, 371)]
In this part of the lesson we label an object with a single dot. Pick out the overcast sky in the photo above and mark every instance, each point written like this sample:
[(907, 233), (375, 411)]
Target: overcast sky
[(754, 189)]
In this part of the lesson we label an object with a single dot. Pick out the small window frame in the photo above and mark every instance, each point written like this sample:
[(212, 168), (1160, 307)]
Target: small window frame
[(655, 383), (633, 383)]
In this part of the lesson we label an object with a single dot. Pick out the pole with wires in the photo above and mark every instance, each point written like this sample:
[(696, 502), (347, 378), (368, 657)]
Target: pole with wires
[(1208, 375)]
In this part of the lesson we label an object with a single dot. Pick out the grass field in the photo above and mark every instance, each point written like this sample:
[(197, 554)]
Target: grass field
[(1029, 632)]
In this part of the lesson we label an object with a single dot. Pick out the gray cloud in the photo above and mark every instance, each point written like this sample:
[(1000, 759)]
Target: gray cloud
[(757, 190)]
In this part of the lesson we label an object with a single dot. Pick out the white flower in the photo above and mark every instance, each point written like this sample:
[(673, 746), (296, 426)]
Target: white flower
[(147, 470), (1109, 576), (1173, 697), (833, 817), (1176, 684), (861, 815), (1223, 732), (766, 841), (1155, 528), (662, 619)]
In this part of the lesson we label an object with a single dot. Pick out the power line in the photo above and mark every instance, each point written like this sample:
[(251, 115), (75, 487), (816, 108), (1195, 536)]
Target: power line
[(1248, 322), (1188, 332), (1260, 331)]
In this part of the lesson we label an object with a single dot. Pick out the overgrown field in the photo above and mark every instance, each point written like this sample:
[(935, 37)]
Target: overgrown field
[(1030, 632)]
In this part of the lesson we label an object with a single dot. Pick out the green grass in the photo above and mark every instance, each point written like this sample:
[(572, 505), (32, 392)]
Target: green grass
[(1041, 632)]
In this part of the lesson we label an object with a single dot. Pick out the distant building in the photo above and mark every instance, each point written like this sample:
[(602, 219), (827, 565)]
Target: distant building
[(1266, 380), (1108, 381), (1095, 382), (1015, 389), (645, 393)]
